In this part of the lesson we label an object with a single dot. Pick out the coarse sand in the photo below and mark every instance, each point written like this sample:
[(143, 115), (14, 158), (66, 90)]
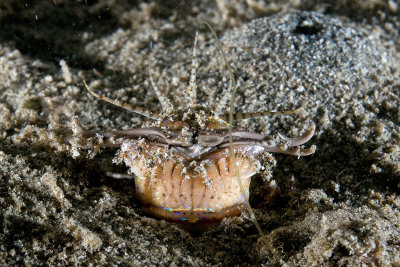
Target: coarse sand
[(338, 207)]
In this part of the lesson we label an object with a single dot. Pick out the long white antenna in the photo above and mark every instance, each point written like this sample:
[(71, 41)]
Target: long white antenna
[(165, 103), (142, 111), (192, 89), (232, 152)]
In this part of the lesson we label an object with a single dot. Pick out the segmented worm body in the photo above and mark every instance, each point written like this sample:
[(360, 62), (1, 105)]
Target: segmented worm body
[(183, 167)]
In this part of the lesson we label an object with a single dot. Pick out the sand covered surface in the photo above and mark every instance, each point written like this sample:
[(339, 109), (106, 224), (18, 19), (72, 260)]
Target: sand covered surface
[(338, 207)]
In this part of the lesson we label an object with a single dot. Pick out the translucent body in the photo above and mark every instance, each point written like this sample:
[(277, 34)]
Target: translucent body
[(201, 190), (190, 165)]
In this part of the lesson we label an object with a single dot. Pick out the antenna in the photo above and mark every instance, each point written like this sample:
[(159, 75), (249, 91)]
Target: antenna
[(139, 110)]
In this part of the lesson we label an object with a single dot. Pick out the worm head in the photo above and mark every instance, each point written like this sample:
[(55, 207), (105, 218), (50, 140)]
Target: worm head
[(183, 165)]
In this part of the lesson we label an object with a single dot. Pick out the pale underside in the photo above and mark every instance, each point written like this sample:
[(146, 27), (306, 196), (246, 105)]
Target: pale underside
[(182, 165), (175, 190)]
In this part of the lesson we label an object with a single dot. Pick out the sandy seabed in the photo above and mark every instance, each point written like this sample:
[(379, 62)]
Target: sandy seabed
[(338, 207)]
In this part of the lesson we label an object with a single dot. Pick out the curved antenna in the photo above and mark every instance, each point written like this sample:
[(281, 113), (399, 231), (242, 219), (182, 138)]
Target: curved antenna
[(191, 91), (217, 109), (249, 115), (232, 152), (139, 110), (165, 103)]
